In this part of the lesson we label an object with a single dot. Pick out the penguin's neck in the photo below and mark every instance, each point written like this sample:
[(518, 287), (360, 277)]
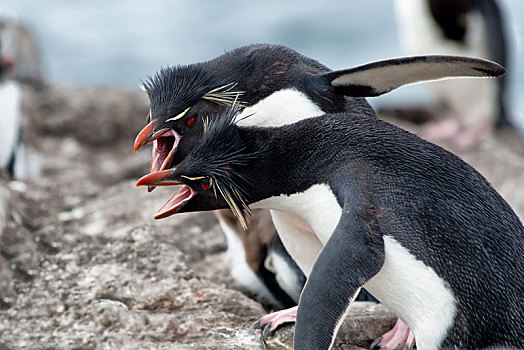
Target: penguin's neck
[(293, 173)]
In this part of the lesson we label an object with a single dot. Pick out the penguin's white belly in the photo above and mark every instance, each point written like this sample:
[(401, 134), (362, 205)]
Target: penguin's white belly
[(415, 293), (408, 287)]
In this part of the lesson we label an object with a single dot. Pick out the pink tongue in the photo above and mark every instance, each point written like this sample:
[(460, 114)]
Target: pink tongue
[(162, 149), (176, 202), (162, 154)]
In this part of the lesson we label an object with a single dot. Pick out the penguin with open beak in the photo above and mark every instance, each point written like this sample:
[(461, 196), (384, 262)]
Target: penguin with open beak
[(414, 224), (460, 27), (274, 85)]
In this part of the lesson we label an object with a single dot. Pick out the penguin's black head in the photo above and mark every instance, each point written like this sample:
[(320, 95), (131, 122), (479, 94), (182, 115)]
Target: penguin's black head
[(180, 98), (211, 175)]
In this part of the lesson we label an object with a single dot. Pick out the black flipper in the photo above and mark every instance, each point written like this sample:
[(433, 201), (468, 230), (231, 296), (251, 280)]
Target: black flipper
[(377, 78), (353, 254)]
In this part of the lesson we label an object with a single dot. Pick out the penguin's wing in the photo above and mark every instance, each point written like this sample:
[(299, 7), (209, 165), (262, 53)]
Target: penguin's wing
[(377, 78), (353, 254)]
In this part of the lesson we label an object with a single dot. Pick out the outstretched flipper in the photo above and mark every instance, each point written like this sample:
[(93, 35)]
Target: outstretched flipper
[(377, 78), (353, 255)]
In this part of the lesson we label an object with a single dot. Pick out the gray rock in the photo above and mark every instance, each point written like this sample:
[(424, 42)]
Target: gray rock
[(84, 265)]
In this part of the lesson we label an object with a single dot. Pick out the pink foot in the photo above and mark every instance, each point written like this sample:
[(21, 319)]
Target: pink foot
[(399, 337), (272, 321), (440, 130), (469, 137)]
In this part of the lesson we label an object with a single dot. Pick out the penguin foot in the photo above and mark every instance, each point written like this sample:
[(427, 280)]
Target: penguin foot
[(400, 337), (460, 137), (272, 321), (471, 136), (441, 130)]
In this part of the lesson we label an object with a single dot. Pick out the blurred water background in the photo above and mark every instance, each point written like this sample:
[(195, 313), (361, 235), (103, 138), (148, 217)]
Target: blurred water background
[(118, 43)]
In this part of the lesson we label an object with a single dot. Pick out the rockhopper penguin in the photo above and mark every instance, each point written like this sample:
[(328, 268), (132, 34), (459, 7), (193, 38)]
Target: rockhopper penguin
[(460, 27), (278, 86), (414, 224)]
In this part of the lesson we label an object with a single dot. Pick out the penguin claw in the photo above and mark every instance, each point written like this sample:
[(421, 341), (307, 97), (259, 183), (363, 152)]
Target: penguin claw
[(375, 344), (272, 321), (267, 332)]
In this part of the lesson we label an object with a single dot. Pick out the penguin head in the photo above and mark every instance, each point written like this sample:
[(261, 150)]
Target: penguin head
[(180, 98), (211, 175)]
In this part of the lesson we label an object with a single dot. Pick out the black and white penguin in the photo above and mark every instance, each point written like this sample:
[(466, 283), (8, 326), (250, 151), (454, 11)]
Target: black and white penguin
[(459, 27), (10, 115), (276, 86), (414, 224), (19, 64)]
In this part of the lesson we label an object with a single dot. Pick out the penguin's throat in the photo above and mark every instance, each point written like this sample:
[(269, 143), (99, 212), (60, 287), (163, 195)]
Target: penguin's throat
[(175, 203), (164, 148)]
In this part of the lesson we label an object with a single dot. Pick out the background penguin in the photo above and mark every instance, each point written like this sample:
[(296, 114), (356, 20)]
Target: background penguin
[(258, 260), (280, 70), (19, 64), (459, 27), (418, 227), (10, 115)]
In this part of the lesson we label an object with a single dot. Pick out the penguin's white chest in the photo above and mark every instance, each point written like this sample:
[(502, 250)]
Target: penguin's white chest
[(317, 206)]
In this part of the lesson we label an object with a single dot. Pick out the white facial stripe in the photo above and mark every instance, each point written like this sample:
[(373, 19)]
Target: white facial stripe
[(193, 178), (178, 116)]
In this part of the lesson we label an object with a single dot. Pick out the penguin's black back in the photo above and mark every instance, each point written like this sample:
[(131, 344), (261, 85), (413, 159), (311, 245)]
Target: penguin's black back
[(457, 224), (434, 204)]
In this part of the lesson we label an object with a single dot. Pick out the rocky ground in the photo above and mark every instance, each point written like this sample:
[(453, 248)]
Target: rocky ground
[(83, 265)]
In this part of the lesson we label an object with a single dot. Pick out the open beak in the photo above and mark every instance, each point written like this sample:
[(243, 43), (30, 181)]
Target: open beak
[(175, 203), (165, 143), (157, 179), (144, 137)]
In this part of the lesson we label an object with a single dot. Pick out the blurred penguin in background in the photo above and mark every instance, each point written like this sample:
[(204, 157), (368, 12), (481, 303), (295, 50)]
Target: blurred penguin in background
[(471, 109), (19, 64)]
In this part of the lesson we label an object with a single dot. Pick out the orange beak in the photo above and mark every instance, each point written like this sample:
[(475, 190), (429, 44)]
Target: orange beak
[(144, 137), (157, 179)]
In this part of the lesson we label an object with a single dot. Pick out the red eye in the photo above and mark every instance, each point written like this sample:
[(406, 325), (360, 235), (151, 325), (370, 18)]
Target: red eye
[(205, 185), (190, 121)]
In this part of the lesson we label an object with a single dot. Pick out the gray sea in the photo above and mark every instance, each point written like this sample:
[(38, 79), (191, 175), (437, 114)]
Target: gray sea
[(118, 43)]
